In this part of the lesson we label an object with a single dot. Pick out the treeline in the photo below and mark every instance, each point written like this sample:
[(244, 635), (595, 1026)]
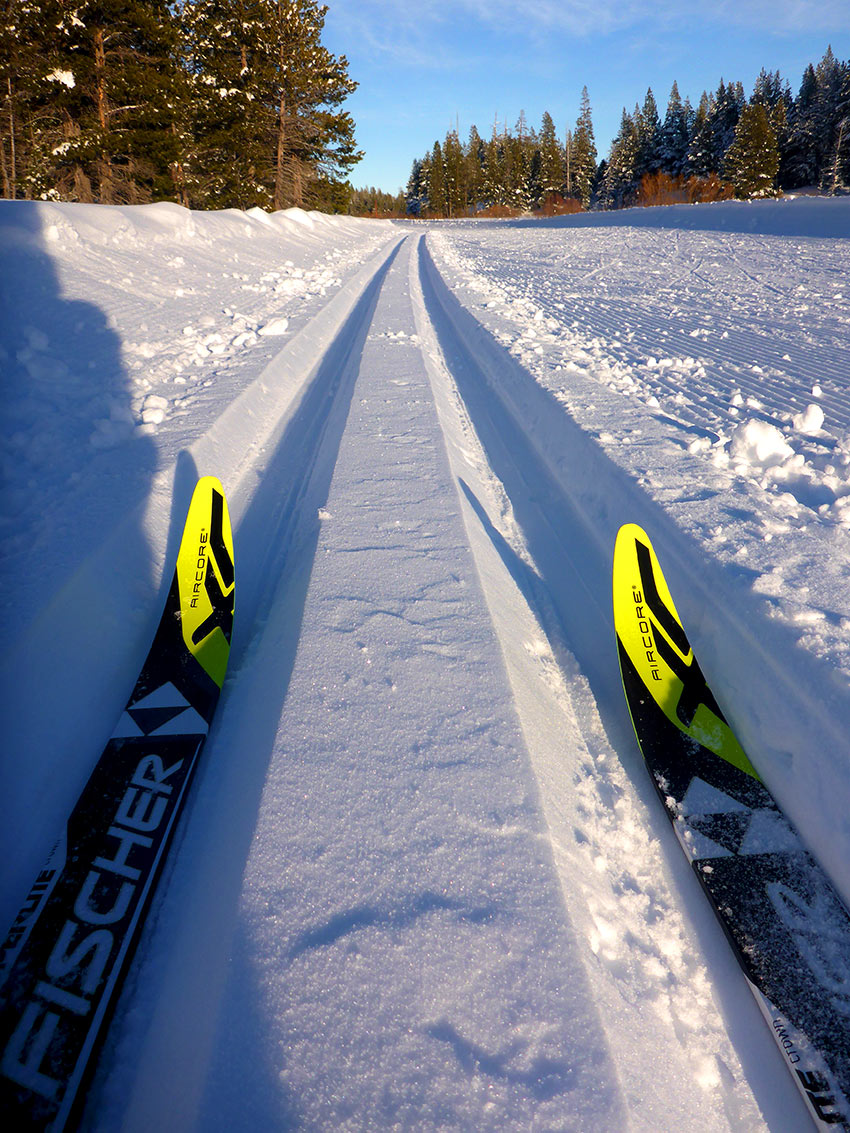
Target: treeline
[(728, 146), (211, 103), (376, 203)]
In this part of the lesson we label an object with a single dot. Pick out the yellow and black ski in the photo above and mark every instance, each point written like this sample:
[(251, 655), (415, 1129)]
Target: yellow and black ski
[(63, 961), (787, 925)]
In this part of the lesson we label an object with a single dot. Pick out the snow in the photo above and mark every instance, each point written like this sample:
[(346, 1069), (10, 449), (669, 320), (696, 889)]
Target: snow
[(424, 880)]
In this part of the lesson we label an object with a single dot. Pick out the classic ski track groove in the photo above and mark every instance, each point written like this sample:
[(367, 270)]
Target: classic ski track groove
[(573, 765)]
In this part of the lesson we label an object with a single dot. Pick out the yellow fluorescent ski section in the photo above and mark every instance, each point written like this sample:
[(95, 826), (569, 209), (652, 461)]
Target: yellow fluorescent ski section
[(650, 630), (205, 578)]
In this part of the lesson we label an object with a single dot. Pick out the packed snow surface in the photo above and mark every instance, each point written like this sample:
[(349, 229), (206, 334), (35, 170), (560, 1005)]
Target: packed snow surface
[(424, 881)]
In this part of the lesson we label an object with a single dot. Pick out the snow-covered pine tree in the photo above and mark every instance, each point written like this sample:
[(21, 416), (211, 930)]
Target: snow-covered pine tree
[(474, 157), (836, 173), (95, 91), (437, 182), (752, 161), (584, 152), (314, 144), (415, 192), (800, 166), (673, 136), (551, 158), (455, 175), (266, 125), (649, 126), (226, 57), (725, 111), (829, 73), (493, 169), (36, 69), (519, 150), (703, 157), (619, 183)]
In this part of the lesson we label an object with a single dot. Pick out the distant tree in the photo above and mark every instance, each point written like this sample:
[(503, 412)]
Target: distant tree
[(619, 180), (416, 193), (726, 109), (673, 136), (437, 183), (752, 161), (455, 175), (836, 172), (584, 152), (703, 156), (551, 158), (375, 202), (649, 128), (493, 171), (474, 157)]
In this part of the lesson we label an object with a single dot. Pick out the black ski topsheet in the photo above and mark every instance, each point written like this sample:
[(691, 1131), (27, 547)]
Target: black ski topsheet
[(786, 923), (63, 961)]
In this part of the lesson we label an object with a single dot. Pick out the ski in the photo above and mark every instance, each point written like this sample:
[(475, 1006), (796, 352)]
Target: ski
[(787, 925), (63, 961)]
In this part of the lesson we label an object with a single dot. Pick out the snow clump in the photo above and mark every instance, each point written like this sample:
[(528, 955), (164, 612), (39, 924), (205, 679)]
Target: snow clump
[(759, 443)]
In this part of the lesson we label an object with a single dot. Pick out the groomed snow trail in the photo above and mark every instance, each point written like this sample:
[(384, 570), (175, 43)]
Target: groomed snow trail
[(424, 881), (400, 949)]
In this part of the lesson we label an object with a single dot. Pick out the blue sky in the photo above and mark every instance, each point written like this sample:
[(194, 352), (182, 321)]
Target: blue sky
[(424, 67)]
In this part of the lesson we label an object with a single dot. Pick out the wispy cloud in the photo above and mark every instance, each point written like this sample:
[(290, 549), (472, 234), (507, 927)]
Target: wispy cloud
[(387, 27)]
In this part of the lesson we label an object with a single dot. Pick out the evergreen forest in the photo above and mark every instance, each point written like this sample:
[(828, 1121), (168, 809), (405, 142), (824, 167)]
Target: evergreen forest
[(237, 103), (210, 103), (728, 146)]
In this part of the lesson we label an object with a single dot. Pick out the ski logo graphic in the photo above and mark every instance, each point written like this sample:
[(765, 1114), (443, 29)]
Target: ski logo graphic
[(651, 633), (666, 637), (205, 579), (68, 950), (92, 936)]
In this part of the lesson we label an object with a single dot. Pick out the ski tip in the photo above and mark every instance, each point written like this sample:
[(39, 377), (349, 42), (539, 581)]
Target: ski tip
[(651, 634)]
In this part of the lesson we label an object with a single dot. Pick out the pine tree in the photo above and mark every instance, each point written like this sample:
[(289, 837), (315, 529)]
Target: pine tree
[(649, 126), (265, 120), (829, 73), (35, 69), (584, 152), (415, 193), (673, 136), (703, 157), (551, 158), (455, 175), (752, 161), (801, 165), (437, 183), (313, 139), (620, 180), (475, 159), (493, 187), (725, 112), (836, 173), (226, 55), (91, 90)]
